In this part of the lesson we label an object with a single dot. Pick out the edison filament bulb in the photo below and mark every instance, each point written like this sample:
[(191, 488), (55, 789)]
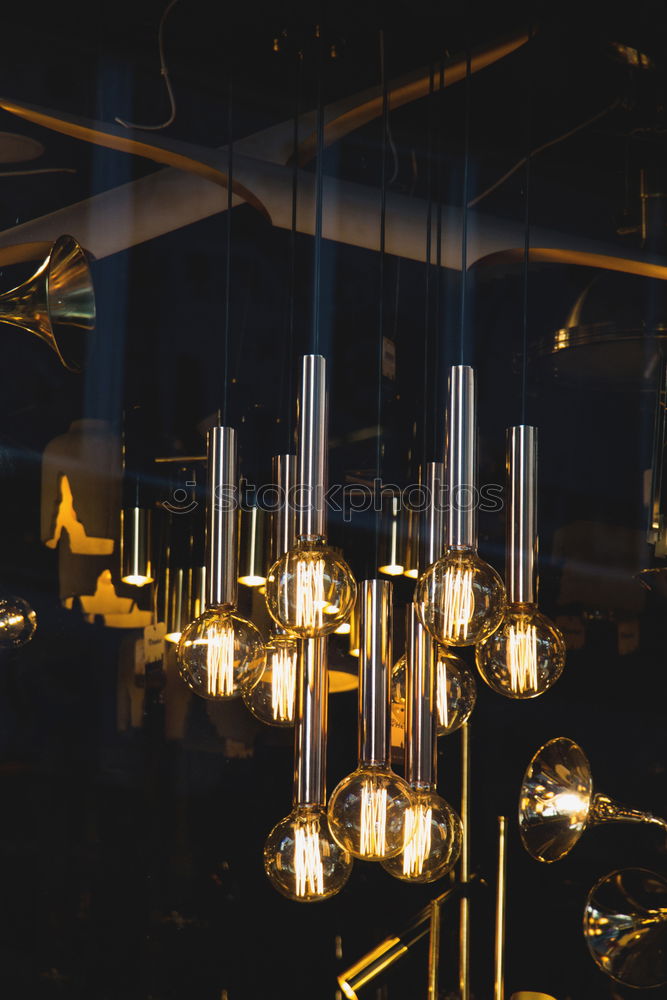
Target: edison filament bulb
[(367, 812), (310, 590), (432, 838), (301, 858), (460, 599), (220, 653), (455, 692), (272, 697), (18, 622), (525, 656)]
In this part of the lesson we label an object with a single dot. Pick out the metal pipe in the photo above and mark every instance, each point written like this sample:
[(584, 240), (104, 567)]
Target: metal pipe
[(251, 565), (434, 515), (135, 546), (390, 557), (461, 458), (464, 868), (312, 468), (310, 736), (375, 663), (420, 744), (521, 552), (283, 520), (221, 520), (433, 951), (501, 894)]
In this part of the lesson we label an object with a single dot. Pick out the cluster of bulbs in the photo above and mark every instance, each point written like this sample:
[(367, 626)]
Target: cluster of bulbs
[(373, 814)]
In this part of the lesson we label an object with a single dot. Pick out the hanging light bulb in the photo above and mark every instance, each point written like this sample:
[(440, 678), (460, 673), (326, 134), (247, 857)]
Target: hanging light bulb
[(18, 622), (311, 578), (526, 655), (367, 808), (432, 833), (220, 652), (301, 858), (460, 599)]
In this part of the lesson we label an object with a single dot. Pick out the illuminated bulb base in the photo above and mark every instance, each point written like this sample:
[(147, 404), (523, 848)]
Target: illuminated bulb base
[(455, 695), (460, 599), (367, 811), (302, 860), (272, 698), (310, 590), (219, 654), (432, 840), (525, 657)]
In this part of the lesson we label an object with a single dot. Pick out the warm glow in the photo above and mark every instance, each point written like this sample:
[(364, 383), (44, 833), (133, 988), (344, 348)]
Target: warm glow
[(393, 569), (283, 683), (341, 681), (373, 830), (441, 699), (252, 581), (308, 869), (522, 657), (310, 601), (137, 581), (116, 612), (354, 652), (172, 637), (416, 838), (219, 660), (459, 602), (67, 520), (343, 628), (412, 573)]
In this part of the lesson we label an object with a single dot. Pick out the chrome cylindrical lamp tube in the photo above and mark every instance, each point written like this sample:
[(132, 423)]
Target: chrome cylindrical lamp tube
[(251, 568), (433, 528), (461, 458), (521, 557), (135, 546), (375, 661), (390, 556), (420, 743), (310, 735), (312, 457), (221, 518), (283, 513)]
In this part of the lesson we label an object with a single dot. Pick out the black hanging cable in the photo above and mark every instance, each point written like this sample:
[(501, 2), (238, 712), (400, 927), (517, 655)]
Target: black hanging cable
[(437, 416), (381, 310), (317, 269), (464, 209), (427, 279), (228, 264), (288, 375), (526, 236)]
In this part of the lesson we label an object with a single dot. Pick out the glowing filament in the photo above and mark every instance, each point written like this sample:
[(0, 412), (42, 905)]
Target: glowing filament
[(283, 684), (416, 838), (308, 869), (442, 702), (522, 657), (373, 832), (310, 600), (459, 602), (220, 661)]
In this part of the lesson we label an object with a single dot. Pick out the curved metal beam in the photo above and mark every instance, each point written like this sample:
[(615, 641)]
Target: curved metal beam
[(582, 258)]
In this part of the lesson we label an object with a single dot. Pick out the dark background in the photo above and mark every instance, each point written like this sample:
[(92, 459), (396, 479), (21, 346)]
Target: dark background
[(130, 864)]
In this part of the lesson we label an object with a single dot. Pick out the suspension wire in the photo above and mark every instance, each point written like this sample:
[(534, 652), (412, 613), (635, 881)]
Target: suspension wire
[(381, 306), (429, 241), (438, 262), (317, 268), (228, 263), (526, 234), (288, 375), (464, 208)]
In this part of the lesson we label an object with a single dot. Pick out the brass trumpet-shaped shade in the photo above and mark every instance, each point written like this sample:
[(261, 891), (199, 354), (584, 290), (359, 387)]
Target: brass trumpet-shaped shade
[(625, 926), (557, 803), (57, 303)]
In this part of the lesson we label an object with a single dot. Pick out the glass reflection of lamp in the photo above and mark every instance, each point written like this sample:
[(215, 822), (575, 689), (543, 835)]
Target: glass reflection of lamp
[(625, 927), (272, 698), (432, 832), (18, 622), (390, 556), (557, 804), (525, 656), (135, 516), (251, 570), (311, 577), (367, 808), (460, 599), (301, 858), (221, 652)]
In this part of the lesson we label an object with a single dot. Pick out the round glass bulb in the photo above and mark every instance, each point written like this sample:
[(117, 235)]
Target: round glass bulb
[(455, 692), (525, 656), (367, 812), (310, 590), (460, 599), (17, 622), (301, 858), (220, 653), (432, 838), (272, 697)]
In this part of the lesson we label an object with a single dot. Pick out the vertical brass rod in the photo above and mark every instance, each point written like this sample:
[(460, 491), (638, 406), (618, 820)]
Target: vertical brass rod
[(464, 868), (501, 893), (433, 950)]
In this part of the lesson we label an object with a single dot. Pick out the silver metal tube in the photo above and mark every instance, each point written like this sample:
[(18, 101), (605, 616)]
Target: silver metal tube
[(434, 516), (283, 519), (375, 663), (464, 869), (312, 467), (461, 458), (135, 541), (521, 553), (434, 951), (221, 520), (251, 564), (310, 735), (501, 900), (420, 745)]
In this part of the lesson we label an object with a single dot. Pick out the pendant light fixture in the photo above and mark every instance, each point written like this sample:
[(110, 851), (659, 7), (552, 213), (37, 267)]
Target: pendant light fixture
[(301, 858), (251, 569), (391, 542), (220, 652), (432, 833), (526, 655), (367, 808)]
